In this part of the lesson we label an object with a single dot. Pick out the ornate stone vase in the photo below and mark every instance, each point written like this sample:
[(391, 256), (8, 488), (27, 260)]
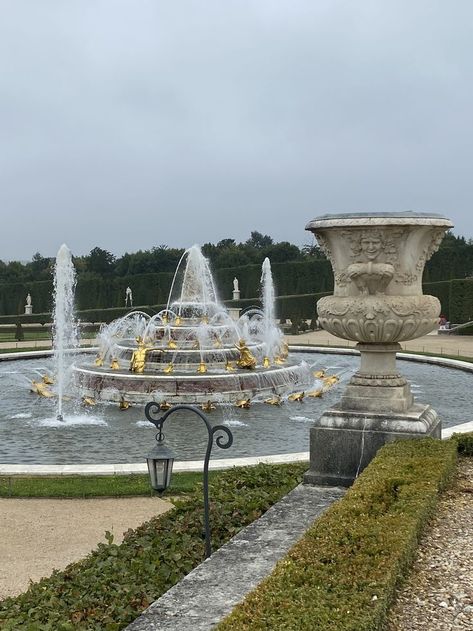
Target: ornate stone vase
[(378, 261)]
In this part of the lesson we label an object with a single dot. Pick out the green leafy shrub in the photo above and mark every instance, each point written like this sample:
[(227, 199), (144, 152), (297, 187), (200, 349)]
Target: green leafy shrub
[(341, 576), (110, 587)]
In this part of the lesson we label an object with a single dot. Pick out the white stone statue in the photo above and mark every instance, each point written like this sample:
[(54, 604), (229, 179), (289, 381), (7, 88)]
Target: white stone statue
[(28, 305), (128, 297), (236, 289)]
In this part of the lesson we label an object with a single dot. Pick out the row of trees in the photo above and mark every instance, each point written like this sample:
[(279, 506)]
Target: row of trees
[(455, 260), (100, 262)]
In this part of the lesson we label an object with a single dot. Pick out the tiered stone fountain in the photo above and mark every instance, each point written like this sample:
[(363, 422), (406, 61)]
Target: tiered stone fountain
[(377, 260), (193, 351)]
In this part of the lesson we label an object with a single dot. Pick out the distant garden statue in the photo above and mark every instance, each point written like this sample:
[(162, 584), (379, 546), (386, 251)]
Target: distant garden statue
[(128, 297), (28, 305), (236, 289)]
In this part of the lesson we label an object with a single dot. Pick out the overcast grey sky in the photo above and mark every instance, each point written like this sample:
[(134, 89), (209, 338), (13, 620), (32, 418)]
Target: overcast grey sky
[(132, 123)]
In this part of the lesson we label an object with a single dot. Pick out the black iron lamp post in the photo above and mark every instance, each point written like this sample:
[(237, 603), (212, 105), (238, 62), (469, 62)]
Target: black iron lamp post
[(160, 459)]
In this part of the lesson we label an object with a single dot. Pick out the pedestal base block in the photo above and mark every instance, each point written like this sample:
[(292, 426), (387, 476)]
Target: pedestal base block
[(343, 442)]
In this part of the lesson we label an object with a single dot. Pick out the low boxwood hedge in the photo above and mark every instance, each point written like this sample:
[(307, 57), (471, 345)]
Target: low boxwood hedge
[(341, 576), (110, 587)]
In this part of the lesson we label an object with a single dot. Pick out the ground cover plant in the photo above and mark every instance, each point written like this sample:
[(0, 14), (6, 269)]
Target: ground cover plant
[(342, 575), (110, 587)]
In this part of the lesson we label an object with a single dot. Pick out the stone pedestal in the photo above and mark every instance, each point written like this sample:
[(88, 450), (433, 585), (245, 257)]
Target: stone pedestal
[(234, 313), (236, 294), (342, 443), (28, 309), (378, 261)]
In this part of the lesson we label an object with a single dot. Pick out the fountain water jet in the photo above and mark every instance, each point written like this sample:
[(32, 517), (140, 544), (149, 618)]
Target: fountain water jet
[(65, 332)]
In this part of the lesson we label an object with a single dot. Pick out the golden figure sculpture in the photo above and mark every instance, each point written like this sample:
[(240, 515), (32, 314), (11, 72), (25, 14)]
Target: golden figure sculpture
[(279, 360), (114, 365), (177, 321), (229, 367), (331, 380), (284, 352), (138, 357), (88, 401), (276, 400), (98, 361), (123, 405), (243, 403), (296, 396), (266, 362), (48, 380), (164, 405), (246, 359), (202, 368), (319, 374), (315, 393), (171, 343), (169, 368), (38, 387), (208, 407), (204, 320)]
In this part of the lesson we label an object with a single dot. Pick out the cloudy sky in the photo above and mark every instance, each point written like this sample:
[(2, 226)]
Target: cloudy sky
[(133, 123)]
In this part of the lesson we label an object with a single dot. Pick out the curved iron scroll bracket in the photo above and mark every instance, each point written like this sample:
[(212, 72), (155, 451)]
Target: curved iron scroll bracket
[(220, 433)]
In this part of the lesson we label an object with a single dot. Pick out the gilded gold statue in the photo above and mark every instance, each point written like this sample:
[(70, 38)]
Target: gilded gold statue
[(243, 403), (122, 404), (114, 365), (38, 387), (246, 359), (296, 396), (138, 357), (207, 407)]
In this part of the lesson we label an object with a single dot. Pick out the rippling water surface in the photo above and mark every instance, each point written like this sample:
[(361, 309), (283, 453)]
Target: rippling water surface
[(30, 433)]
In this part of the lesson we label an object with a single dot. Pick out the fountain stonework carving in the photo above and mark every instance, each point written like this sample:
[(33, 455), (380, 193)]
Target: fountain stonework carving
[(377, 260)]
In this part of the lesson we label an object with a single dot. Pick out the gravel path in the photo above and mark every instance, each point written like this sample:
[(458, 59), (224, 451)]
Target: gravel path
[(438, 595), (39, 535)]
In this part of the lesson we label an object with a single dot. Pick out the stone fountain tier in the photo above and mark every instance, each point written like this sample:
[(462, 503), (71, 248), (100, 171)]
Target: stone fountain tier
[(378, 261), (184, 355), (183, 387)]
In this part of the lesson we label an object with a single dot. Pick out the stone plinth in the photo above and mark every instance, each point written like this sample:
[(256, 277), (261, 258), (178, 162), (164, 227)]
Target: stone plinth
[(378, 262)]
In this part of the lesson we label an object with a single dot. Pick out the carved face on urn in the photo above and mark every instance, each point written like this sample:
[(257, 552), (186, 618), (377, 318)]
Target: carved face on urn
[(371, 245)]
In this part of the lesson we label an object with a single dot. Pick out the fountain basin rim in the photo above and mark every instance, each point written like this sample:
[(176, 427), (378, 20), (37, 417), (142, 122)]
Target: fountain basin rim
[(182, 466)]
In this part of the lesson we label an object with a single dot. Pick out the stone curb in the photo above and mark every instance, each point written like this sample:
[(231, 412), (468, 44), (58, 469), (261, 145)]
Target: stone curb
[(209, 593)]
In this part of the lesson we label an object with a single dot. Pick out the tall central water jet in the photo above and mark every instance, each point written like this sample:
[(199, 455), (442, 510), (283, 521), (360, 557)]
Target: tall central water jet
[(65, 337), (271, 333)]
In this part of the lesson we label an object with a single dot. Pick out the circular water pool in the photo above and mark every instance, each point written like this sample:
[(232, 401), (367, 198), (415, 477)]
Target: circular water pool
[(30, 433)]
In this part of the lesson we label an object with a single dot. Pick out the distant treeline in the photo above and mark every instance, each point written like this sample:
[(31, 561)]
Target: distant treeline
[(103, 279)]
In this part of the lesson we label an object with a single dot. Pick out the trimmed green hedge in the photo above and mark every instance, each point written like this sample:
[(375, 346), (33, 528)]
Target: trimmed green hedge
[(440, 290), (111, 587), (342, 575), (461, 300), (97, 292)]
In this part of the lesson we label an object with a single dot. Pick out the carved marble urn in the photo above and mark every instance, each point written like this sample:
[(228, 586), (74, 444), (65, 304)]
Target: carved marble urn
[(378, 260)]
